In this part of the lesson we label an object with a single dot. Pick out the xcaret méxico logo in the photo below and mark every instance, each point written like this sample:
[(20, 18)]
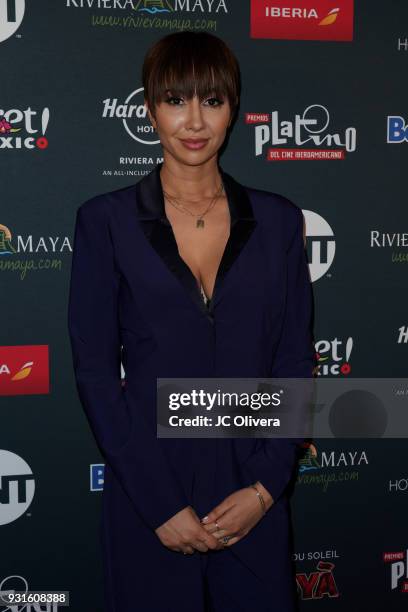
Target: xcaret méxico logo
[(320, 244), (309, 137), (11, 16), (302, 19), (333, 357), (23, 129), (24, 370), (16, 486)]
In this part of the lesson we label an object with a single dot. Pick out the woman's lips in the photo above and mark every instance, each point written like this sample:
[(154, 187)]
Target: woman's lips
[(194, 144)]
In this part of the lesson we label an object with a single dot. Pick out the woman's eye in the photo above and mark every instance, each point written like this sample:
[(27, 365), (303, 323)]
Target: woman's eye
[(217, 101), (171, 99)]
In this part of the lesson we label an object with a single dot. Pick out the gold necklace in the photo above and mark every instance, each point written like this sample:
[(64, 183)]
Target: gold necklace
[(200, 221)]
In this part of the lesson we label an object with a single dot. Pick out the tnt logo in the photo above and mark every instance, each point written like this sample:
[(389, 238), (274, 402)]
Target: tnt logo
[(397, 129), (320, 244), (16, 487), (11, 16), (399, 569)]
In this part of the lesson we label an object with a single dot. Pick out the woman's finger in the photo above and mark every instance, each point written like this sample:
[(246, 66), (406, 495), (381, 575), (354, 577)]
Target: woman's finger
[(187, 550), (201, 546), (220, 533), (210, 528), (233, 540)]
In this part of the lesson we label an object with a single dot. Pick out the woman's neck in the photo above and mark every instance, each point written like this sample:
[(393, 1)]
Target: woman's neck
[(193, 183)]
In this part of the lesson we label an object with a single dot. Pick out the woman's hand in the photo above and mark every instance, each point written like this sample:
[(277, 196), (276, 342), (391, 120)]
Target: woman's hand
[(183, 532), (237, 514)]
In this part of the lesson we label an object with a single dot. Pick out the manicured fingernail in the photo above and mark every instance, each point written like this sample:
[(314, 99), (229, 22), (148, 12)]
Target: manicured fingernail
[(205, 519)]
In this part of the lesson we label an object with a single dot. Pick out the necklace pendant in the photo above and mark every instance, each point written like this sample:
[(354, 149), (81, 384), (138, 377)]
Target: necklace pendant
[(200, 223)]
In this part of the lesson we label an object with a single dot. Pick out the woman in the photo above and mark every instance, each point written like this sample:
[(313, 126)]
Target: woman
[(194, 275)]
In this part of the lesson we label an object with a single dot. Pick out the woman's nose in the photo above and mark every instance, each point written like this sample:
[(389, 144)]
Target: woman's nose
[(194, 119)]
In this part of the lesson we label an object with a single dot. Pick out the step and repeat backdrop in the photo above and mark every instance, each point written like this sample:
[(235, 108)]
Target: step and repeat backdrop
[(324, 121)]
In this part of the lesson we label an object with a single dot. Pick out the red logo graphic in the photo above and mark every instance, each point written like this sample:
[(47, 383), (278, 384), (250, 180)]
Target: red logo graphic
[(318, 584), (24, 370), (399, 569), (302, 19)]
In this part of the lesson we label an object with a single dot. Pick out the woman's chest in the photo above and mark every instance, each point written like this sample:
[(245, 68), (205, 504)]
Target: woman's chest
[(160, 284)]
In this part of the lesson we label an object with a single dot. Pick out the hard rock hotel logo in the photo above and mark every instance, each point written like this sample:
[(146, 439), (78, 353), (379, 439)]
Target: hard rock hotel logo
[(302, 19), (132, 113)]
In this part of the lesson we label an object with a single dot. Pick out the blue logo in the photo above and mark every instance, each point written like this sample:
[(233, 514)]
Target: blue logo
[(397, 129), (97, 474)]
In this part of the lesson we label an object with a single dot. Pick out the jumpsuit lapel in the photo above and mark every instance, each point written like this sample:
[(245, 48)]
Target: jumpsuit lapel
[(157, 229)]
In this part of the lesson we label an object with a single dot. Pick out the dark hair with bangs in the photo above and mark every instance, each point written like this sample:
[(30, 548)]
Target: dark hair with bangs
[(188, 63)]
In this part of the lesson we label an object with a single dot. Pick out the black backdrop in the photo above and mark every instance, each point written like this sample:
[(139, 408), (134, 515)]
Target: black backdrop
[(62, 68)]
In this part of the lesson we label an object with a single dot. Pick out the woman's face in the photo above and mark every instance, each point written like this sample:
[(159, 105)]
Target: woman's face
[(192, 131)]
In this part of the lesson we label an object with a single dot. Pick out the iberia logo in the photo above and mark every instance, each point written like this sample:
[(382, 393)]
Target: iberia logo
[(24, 370), (302, 19)]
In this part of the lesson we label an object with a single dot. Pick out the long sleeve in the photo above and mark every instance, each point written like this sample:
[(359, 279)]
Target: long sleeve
[(273, 463), (123, 436)]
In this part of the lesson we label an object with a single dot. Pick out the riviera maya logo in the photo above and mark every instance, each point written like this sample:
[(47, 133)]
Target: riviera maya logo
[(152, 7), (27, 253), (309, 459), (6, 248), (331, 467)]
